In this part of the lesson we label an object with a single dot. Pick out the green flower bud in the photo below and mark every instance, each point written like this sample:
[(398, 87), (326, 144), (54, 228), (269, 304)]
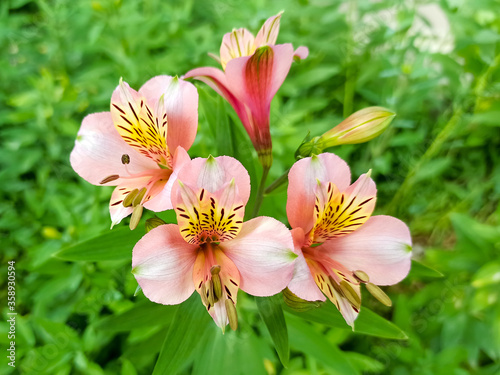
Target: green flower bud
[(359, 127)]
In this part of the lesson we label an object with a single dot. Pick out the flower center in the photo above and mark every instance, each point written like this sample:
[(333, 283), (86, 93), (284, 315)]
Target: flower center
[(204, 218)]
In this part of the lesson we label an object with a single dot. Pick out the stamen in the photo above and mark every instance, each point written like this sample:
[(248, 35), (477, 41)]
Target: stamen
[(125, 159), (136, 216), (203, 294), (232, 314), (350, 294), (217, 285), (379, 294), (361, 276), (129, 199), (138, 198), (210, 292), (113, 177)]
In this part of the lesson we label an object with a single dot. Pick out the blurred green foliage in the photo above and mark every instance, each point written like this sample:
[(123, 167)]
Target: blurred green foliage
[(437, 168)]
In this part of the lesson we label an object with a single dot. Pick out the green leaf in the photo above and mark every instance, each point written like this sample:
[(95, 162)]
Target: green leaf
[(235, 352), (367, 322), (419, 269), (305, 338), (113, 245), (272, 314), (143, 315), (488, 274), (189, 324)]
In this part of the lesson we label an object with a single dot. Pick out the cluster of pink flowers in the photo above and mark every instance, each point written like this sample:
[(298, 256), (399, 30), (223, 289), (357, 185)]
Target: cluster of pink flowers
[(141, 145)]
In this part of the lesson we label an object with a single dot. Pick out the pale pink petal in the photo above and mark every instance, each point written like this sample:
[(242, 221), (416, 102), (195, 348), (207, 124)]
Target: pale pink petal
[(381, 248), (263, 254), (301, 53), (216, 79), (302, 283), (237, 43), (162, 263), (162, 201), (219, 314), (180, 100), (213, 174), (99, 148), (303, 179), (268, 33)]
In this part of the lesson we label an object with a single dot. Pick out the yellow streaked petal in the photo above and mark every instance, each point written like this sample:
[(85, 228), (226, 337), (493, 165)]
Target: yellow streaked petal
[(339, 213), (139, 126), (204, 218)]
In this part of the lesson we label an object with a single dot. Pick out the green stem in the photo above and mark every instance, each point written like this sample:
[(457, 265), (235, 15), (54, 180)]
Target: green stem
[(431, 152), (350, 71), (260, 193), (277, 183), (442, 137)]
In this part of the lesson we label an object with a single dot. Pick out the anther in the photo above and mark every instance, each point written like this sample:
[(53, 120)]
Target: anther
[(350, 294), (129, 199), (210, 292), (361, 276), (113, 177), (136, 216), (125, 159), (231, 314), (139, 196), (216, 282), (379, 294), (203, 294)]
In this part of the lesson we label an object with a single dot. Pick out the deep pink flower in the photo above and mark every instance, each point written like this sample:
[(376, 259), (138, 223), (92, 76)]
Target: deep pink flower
[(254, 70), (212, 250), (340, 245), (139, 145)]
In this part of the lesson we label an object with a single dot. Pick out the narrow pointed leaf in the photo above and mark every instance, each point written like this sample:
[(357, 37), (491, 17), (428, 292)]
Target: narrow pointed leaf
[(421, 270), (306, 339), (112, 245), (271, 312), (368, 322), (186, 330), (143, 315)]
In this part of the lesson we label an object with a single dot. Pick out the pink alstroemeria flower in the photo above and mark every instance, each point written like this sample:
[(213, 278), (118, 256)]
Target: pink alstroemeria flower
[(340, 245), (139, 145), (212, 250), (254, 70)]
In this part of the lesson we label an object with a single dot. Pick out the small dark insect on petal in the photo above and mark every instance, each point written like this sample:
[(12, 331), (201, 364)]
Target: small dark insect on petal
[(125, 159)]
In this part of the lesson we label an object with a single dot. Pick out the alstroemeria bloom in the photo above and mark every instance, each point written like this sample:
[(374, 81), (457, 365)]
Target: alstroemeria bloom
[(139, 145), (340, 244), (254, 70), (212, 250)]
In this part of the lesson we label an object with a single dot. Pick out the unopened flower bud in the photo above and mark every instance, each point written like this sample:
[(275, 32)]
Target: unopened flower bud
[(359, 127), (153, 222)]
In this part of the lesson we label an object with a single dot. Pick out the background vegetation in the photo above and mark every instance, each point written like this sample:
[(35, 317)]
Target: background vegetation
[(437, 168)]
